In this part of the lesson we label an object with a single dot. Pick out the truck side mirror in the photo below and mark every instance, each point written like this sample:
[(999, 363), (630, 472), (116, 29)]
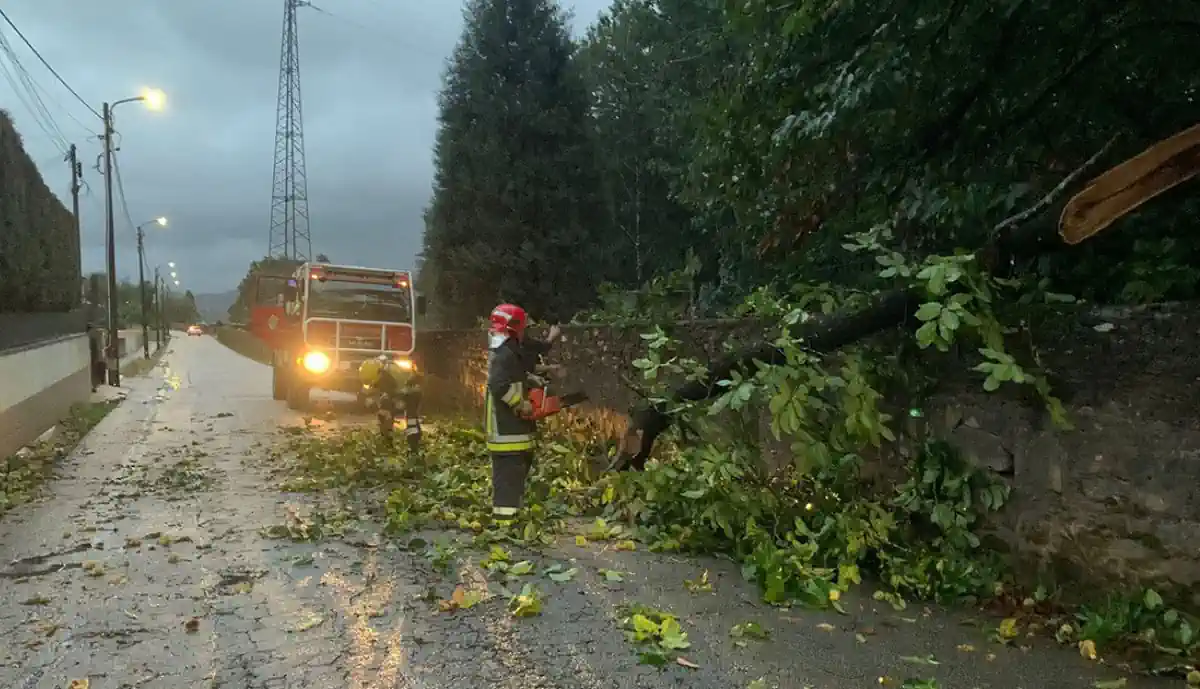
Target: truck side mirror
[(422, 304)]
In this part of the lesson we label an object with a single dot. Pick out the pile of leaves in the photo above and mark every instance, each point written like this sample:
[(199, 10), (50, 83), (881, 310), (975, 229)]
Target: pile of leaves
[(448, 485), (803, 539)]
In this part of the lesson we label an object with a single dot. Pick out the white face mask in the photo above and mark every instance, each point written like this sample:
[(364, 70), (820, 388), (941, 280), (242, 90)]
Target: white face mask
[(496, 339)]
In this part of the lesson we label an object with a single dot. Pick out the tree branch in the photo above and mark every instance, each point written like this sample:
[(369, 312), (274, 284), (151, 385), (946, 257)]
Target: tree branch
[(1012, 222), (821, 335)]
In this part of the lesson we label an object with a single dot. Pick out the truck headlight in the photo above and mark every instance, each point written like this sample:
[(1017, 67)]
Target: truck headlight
[(405, 364), (316, 362)]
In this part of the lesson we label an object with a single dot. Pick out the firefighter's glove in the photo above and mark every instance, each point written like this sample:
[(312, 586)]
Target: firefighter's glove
[(553, 371), (524, 409)]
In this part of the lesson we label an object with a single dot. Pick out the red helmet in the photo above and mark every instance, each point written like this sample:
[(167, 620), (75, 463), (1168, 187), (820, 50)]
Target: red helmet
[(508, 320)]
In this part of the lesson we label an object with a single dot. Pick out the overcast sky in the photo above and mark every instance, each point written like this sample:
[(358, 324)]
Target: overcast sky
[(370, 71)]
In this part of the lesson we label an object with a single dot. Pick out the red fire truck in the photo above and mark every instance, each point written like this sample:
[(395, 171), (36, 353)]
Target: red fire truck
[(324, 321)]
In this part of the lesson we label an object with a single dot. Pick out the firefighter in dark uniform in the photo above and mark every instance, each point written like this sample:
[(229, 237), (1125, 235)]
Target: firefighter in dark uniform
[(397, 384), (512, 359)]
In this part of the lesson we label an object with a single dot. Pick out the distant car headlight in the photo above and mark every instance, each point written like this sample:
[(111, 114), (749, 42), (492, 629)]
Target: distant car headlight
[(405, 364), (316, 362)]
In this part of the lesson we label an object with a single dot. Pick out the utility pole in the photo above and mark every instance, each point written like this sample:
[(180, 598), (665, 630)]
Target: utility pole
[(166, 298), (76, 175), (113, 350), (158, 312), (142, 291)]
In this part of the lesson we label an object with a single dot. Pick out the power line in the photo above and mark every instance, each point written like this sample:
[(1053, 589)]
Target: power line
[(26, 90), (121, 189), (65, 111), (47, 65)]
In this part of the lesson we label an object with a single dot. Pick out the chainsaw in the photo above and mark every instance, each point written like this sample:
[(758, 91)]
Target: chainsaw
[(545, 404), (548, 405)]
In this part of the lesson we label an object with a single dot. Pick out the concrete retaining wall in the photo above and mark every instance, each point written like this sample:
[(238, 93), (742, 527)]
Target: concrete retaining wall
[(40, 384), (41, 381)]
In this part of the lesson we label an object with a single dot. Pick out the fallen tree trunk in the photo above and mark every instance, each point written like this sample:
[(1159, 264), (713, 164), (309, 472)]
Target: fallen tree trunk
[(823, 334), (829, 333)]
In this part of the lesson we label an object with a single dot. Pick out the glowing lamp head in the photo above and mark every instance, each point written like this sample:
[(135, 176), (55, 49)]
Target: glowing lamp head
[(316, 362), (154, 99)]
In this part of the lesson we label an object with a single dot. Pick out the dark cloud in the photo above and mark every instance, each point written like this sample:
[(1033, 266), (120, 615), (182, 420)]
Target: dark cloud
[(370, 74)]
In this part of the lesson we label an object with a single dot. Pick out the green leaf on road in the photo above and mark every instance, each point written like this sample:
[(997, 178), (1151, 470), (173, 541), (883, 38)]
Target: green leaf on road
[(749, 630), (520, 569), (527, 603)]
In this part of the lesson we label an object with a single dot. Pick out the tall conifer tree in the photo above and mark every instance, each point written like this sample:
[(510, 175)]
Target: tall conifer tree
[(514, 213)]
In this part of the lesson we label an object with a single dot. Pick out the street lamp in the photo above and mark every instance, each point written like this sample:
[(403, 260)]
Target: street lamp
[(154, 99), (141, 246)]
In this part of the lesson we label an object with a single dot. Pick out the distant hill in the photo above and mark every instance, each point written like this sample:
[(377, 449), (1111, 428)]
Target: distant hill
[(215, 307)]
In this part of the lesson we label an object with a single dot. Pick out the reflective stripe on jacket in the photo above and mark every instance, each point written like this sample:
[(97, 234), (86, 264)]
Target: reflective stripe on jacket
[(506, 430)]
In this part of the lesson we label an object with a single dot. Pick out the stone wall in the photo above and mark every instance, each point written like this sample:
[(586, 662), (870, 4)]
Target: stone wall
[(1117, 498)]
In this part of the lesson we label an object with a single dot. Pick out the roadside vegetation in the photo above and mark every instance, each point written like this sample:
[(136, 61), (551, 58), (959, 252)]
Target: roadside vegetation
[(22, 474)]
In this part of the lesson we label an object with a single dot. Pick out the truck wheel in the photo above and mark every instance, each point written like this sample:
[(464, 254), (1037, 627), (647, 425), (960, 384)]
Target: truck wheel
[(297, 396), (279, 388)]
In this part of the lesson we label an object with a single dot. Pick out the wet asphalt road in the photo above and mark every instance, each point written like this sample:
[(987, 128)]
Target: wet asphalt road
[(145, 566)]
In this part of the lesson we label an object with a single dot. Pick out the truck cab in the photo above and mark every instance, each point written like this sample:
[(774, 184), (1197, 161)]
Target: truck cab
[(323, 321)]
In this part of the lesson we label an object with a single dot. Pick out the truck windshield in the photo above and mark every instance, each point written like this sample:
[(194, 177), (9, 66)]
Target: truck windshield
[(359, 301)]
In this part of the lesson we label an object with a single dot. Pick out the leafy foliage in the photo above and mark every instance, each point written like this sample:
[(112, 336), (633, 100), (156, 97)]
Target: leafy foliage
[(843, 116), (450, 485)]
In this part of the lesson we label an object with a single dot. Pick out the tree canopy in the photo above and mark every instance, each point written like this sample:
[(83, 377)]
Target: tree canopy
[(761, 136)]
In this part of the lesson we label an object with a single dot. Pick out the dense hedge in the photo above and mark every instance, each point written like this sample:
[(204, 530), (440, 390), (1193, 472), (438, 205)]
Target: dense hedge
[(39, 245)]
